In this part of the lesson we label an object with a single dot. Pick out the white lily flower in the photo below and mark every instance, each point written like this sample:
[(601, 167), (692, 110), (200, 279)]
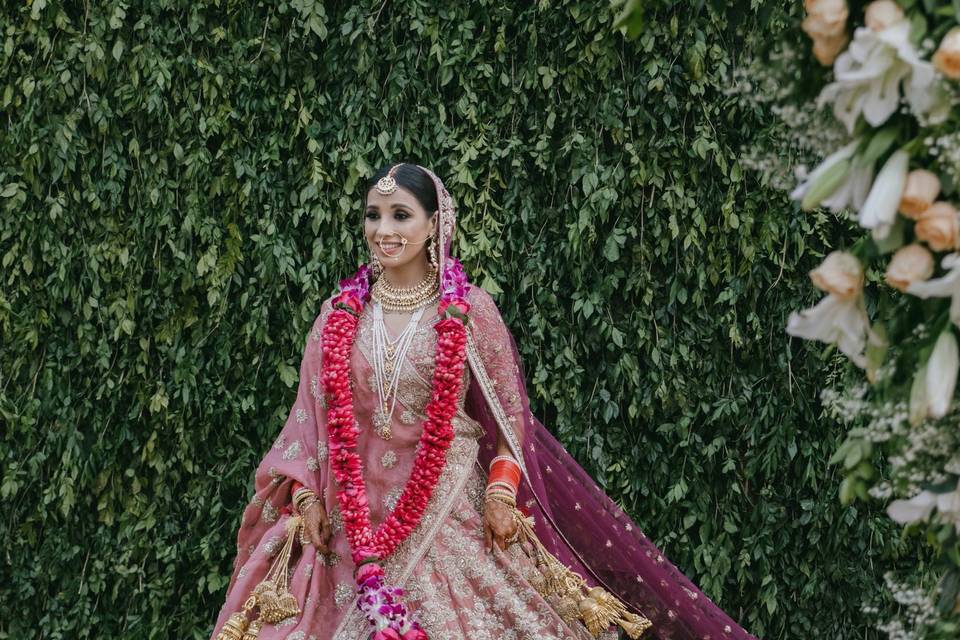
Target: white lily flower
[(869, 75), (853, 192), (948, 506), (942, 374), (921, 506), (822, 170), (879, 211), (917, 508), (947, 286), (835, 320)]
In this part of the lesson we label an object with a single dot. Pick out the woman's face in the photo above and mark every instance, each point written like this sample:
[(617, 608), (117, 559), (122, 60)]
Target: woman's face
[(389, 219)]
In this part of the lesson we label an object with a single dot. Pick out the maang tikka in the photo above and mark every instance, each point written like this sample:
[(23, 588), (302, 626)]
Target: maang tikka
[(387, 184)]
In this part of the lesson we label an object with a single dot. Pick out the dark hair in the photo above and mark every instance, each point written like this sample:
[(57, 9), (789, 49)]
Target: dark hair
[(413, 179)]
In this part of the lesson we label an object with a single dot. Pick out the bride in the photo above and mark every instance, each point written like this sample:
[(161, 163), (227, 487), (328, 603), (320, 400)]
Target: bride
[(412, 494)]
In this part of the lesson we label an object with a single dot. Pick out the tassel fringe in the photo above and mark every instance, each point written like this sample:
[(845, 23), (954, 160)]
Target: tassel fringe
[(595, 607), (271, 596)]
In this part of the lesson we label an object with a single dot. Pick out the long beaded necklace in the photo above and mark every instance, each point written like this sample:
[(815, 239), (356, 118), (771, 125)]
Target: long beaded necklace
[(389, 353), (387, 362)]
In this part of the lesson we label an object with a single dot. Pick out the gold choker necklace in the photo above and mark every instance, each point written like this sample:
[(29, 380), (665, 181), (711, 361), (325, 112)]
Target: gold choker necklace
[(393, 298)]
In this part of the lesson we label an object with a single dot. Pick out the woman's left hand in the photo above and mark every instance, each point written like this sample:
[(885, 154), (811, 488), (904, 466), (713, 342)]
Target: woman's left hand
[(498, 524)]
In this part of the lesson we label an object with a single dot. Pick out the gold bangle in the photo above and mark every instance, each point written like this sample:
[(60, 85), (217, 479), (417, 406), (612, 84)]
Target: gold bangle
[(306, 504), (506, 486), (302, 494), (501, 498)]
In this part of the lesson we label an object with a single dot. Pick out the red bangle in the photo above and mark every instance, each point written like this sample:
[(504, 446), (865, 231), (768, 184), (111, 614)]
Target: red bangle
[(506, 471)]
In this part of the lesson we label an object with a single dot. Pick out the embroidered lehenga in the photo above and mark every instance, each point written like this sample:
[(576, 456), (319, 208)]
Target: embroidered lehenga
[(455, 587)]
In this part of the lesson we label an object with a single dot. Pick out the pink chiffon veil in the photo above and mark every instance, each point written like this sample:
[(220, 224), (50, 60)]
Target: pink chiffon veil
[(574, 519)]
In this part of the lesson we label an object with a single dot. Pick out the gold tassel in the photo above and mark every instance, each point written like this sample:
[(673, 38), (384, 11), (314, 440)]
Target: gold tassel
[(633, 625), (234, 627), (597, 608), (567, 610), (253, 630), (272, 595)]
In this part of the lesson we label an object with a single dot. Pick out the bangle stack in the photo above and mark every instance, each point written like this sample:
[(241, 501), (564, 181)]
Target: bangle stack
[(303, 499), (503, 481)]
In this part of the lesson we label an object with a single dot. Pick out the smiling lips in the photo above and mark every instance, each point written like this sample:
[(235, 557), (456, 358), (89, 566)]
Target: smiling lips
[(384, 246)]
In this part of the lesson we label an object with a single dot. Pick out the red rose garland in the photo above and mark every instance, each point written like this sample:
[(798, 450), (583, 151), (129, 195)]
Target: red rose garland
[(367, 546)]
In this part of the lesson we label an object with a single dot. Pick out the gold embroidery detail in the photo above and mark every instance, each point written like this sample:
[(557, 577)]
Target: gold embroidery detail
[(342, 593), (493, 402), (336, 520), (271, 545), (292, 451), (391, 497), (270, 513), (389, 459)]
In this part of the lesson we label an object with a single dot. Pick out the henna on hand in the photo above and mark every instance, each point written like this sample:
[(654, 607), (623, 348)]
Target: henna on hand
[(498, 524), (317, 525)]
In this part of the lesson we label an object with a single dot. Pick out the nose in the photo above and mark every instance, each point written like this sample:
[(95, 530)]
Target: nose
[(383, 230)]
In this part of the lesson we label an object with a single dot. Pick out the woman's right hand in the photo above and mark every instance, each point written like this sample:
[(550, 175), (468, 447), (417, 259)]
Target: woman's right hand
[(317, 526)]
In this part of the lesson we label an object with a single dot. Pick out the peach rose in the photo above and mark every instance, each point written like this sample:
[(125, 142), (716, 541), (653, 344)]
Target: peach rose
[(947, 57), (939, 226), (881, 14), (826, 50), (825, 18), (912, 263), (839, 274), (921, 189)]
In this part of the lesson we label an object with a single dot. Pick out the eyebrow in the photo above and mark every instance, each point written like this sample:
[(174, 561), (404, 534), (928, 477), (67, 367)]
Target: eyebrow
[(394, 206)]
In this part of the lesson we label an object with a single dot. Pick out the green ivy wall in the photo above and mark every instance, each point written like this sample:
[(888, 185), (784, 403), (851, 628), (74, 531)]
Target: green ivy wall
[(180, 189)]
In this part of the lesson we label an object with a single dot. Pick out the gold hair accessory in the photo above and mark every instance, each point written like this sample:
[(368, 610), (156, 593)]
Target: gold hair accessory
[(387, 184)]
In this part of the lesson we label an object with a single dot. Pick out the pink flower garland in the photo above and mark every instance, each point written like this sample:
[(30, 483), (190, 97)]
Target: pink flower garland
[(377, 600)]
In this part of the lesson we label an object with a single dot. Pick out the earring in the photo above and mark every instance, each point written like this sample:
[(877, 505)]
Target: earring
[(432, 253), (375, 265)]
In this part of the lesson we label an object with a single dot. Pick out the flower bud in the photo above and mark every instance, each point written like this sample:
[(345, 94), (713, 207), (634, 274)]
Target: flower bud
[(947, 57), (839, 274), (912, 263), (881, 14), (919, 192), (825, 18), (939, 226)]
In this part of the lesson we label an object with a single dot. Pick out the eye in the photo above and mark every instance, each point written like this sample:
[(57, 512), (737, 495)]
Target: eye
[(401, 215), (371, 215)]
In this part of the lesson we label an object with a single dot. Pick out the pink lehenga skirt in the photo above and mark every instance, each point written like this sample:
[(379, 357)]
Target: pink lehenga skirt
[(453, 584)]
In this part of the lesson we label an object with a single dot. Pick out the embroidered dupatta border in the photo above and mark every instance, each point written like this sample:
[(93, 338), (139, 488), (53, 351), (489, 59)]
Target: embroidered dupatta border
[(486, 386)]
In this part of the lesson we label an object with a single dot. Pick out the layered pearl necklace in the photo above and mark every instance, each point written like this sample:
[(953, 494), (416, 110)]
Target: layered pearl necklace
[(389, 353)]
